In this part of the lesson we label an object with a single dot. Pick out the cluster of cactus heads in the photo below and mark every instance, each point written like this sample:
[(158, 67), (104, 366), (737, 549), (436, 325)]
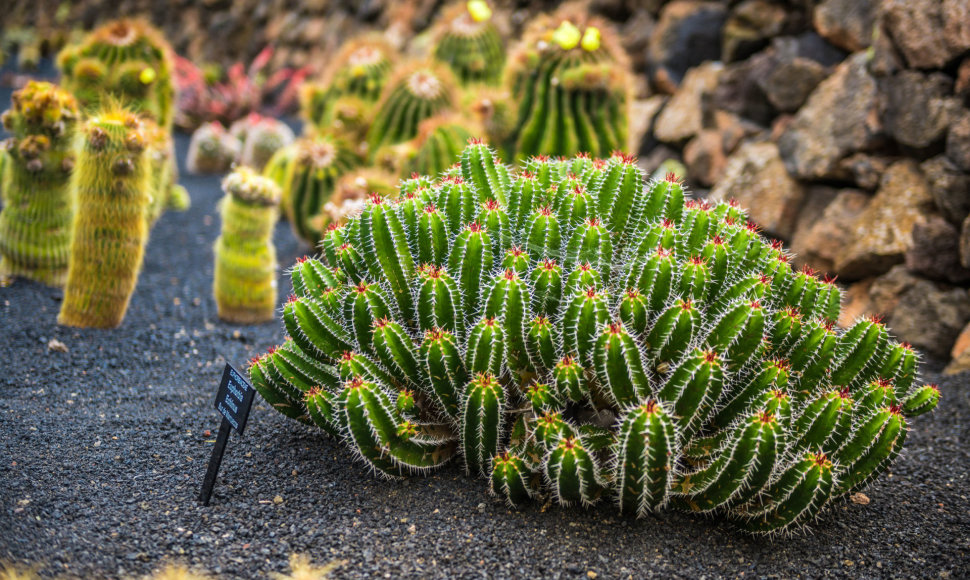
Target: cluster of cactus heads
[(470, 44), (245, 259), (212, 149), (572, 84), (112, 187), (38, 212), (356, 77), (126, 60), (572, 334)]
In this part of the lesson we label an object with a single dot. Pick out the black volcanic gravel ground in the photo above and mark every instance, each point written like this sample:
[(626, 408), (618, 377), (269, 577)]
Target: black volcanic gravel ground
[(103, 449)]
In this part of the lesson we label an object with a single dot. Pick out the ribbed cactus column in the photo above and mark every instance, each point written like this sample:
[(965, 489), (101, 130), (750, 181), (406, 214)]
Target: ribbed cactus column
[(112, 185), (470, 44), (38, 210), (245, 270), (571, 81), (576, 334), (126, 60), (438, 145)]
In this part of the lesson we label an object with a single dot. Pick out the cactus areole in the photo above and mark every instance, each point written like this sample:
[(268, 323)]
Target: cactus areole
[(572, 333)]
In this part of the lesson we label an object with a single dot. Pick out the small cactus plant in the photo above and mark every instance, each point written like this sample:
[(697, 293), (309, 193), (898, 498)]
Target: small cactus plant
[(572, 334), (166, 193), (360, 71), (415, 93), (245, 269), (572, 84), (351, 193), (317, 164), (112, 185), (470, 44), (212, 149), (35, 224), (439, 144), (260, 138), (126, 60)]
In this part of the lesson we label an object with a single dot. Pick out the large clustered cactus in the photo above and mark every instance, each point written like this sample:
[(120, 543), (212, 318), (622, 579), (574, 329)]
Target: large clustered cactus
[(571, 83), (112, 185), (244, 282), (470, 44), (126, 60), (571, 333), (35, 224)]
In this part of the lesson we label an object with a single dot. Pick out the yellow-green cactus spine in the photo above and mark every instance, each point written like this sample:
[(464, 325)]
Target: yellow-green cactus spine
[(571, 82), (416, 92), (112, 186), (126, 60), (687, 365), (245, 258), (310, 181), (38, 211), (470, 44)]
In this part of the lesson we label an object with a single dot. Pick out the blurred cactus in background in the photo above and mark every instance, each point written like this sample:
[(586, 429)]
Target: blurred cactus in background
[(127, 60), (468, 42), (352, 191), (577, 336), (260, 138), (571, 82), (245, 259), (38, 209), (113, 189), (211, 150), (166, 193)]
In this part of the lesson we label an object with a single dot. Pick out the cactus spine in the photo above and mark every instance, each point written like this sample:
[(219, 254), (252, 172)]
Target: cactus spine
[(688, 366), (572, 85), (468, 42), (245, 269), (112, 185), (35, 224)]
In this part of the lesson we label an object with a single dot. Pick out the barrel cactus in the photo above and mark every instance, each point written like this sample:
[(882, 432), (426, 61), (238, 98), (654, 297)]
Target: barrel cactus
[(127, 60), (571, 81), (416, 92), (572, 334), (35, 224), (470, 44), (311, 177)]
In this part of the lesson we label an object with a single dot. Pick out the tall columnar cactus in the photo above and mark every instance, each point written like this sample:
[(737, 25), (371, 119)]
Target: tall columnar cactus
[(166, 193), (576, 335), (317, 164), (112, 185), (360, 70), (415, 93), (470, 44), (245, 271), (571, 81), (35, 224), (127, 60)]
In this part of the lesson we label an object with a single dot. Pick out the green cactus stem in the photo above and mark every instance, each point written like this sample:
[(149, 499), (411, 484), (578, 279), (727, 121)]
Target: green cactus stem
[(38, 208), (438, 146), (112, 185), (470, 44), (574, 333), (127, 60), (245, 259), (211, 150), (166, 192), (571, 81), (260, 138)]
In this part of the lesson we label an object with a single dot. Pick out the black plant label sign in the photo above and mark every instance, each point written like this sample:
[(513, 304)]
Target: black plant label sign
[(235, 398)]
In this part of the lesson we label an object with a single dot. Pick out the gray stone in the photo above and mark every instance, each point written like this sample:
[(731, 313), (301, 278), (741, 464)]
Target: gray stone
[(819, 242), (935, 253), (956, 25), (789, 84), (705, 158), (883, 233), (688, 33), (950, 187), (846, 23), (683, 116), (839, 118), (915, 27), (958, 141), (749, 27), (756, 177), (865, 170), (918, 108), (965, 243)]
